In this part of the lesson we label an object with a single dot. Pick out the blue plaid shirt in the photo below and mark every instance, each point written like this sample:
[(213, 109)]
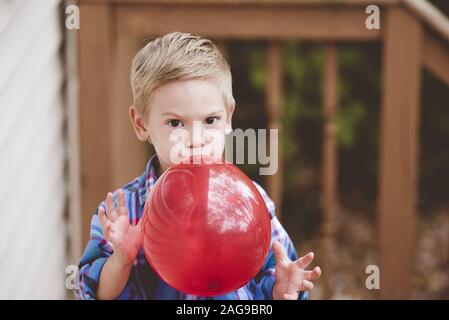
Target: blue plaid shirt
[(143, 282)]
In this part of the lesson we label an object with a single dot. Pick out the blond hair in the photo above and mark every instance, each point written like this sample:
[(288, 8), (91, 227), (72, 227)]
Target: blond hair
[(178, 56)]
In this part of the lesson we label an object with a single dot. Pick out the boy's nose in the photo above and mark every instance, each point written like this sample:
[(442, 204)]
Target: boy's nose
[(195, 143), (196, 137)]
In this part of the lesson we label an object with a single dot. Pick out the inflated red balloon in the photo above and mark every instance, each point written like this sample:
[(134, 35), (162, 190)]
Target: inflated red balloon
[(206, 228)]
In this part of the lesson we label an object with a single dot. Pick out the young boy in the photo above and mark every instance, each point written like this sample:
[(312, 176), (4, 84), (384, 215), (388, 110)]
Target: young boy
[(177, 80)]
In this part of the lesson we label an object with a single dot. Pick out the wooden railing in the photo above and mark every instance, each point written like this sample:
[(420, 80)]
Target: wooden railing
[(414, 34)]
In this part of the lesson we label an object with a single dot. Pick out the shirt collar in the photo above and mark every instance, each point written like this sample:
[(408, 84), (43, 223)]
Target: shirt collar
[(148, 179)]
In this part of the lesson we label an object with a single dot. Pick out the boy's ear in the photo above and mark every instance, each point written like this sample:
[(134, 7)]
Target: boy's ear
[(230, 112), (138, 124)]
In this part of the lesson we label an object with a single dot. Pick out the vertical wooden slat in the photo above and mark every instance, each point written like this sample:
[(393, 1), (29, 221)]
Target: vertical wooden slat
[(399, 151), (329, 164), (273, 106), (128, 155), (95, 44)]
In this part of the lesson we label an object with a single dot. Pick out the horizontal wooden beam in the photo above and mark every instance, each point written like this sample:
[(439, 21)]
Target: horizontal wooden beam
[(436, 57), (276, 23), (358, 3), (430, 14)]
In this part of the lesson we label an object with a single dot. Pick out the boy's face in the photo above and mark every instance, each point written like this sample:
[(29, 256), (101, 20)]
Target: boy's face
[(186, 114)]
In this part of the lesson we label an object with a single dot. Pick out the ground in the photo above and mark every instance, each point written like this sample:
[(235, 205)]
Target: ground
[(356, 248)]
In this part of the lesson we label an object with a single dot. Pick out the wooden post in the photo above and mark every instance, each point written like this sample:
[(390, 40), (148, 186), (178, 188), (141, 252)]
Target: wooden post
[(95, 45), (129, 155), (274, 105), (399, 151), (110, 153), (329, 165)]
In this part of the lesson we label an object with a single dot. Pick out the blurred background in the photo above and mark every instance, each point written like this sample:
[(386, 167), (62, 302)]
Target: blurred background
[(363, 116)]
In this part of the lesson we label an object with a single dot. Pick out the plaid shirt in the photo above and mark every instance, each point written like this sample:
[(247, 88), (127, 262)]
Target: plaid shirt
[(143, 282)]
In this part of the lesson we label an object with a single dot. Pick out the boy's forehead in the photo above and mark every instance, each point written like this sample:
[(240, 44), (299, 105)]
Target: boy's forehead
[(191, 97), (187, 89)]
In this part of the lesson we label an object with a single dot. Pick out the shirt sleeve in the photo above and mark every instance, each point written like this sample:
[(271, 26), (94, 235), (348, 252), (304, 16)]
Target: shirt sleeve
[(262, 285), (97, 251)]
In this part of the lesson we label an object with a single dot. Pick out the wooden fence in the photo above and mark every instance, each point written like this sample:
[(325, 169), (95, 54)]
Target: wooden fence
[(414, 35)]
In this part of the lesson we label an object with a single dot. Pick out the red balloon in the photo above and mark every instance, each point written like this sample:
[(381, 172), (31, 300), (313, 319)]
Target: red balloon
[(206, 228)]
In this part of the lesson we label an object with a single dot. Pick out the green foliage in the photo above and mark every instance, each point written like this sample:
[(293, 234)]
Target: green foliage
[(357, 124), (347, 121)]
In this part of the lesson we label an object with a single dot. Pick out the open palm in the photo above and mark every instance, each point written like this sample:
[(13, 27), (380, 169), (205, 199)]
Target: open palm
[(125, 238), (292, 276)]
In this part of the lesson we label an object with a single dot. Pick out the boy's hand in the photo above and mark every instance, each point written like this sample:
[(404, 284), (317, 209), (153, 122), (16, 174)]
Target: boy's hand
[(126, 239), (291, 276)]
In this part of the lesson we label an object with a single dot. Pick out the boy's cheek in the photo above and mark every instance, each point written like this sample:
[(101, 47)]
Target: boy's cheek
[(164, 152)]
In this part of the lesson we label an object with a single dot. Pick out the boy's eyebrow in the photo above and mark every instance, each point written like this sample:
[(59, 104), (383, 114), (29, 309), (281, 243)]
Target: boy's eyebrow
[(215, 112), (171, 113)]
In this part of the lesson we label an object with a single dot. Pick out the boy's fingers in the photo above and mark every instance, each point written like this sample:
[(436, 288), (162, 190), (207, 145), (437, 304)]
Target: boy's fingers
[(107, 230), (111, 212), (113, 215), (312, 275), (290, 296), (306, 285), (121, 203), (120, 198), (304, 261), (109, 204), (292, 289), (279, 253), (102, 216), (122, 211)]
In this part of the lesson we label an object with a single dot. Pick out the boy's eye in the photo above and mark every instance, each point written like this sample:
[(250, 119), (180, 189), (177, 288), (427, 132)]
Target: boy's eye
[(211, 120), (175, 123)]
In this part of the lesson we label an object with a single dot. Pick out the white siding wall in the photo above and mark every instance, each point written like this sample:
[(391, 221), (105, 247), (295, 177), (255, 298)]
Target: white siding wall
[(32, 187)]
